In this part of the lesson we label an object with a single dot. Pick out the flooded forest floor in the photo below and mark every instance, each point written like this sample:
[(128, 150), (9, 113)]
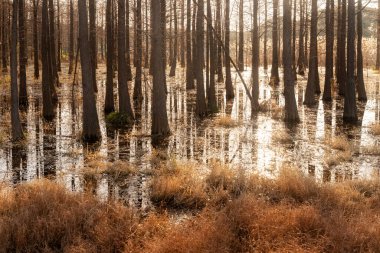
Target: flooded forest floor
[(234, 182)]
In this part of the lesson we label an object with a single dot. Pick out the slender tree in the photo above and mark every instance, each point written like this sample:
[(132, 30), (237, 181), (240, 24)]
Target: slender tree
[(17, 133), (275, 78), (71, 38), (35, 40), (291, 112), (59, 39), (301, 47), (265, 36), (350, 110), (93, 51), (241, 36), (127, 42), (189, 63), (91, 128), (219, 64), (201, 109), (211, 93), (329, 73), (255, 59), (52, 42), (182, 37), (124, 98), (378, 36), (175, 48), (362, 94), (23, 96), (109, 100), (4, 39), (342, 73), (137, 92), (313, 77), (229, 88), (47, 79), (160, 125), (294, 33)]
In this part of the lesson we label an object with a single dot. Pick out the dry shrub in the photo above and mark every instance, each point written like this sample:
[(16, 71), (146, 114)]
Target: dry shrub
[(338, 158), (339, 143), (177, 186), (226, 122), (371, 150), (43, 216), (282, 137), (375, 129)]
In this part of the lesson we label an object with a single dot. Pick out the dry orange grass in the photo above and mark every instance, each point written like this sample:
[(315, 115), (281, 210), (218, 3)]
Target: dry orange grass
[(339, 143), (375, 129), (226, 122)]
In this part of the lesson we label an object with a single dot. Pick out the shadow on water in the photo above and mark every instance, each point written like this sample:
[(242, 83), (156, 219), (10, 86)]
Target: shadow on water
[(54, 150)]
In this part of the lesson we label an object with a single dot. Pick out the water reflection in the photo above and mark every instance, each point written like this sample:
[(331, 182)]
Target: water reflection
[(52, 148)]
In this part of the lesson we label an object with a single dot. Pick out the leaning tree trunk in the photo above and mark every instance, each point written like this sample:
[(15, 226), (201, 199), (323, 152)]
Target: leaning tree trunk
[(350, 110), (229, 88), (291, 112), (23, 96), (275, 78), (93, 51), (137, 92), (17, 133), (329, 20), (35, 40), (241, 36), (47, 100), (125, 107), (160, 124), (313, 77), (189, 63), (109, 105), (201, 109), (91, 128), (362, 95), (255, 59), (71, 39)]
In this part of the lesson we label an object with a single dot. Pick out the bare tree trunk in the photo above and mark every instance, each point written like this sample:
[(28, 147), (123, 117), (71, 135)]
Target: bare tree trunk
[(59, 44), (182, 58), (17, 133), (189, 63), (52, 44), (127, 42), (4, 38), (35, 40), (241, 36), (23, 95), (47, 108), (306, 53), (329, 20), (146, 61), (91, 128), (211, 93), (93, 51), (109, 100), (275, 78), (201, 109), (294, 68), (194, 39), (219, 64), (313, 78), (378, 37), (137, 92), (71, 38), (160, 125), (291, 112), (301, 47), (362, 95), (175, 49), (342, 74), (350, 110), (229, 89), (255, 59), (124, 98), (266, 36)]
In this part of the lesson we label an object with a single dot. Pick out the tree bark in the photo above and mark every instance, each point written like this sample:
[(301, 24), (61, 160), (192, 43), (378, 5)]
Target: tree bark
[(255, 59), (52, 45), (93, 51), (124, 98), (175, 48), (229, 88), (23, 95), (127, 42), (291, 112), (350, 110), (17, 133), (301, 45), (137, 92), (4, 38), (91, 128), (342, 74), (71, 38), (362, 94), (211, 93), (201, 109), (329, 21), (265, 36), (219, 64), (378, 37), (109, 100), (160, 125), (189, 63), (275, 78), (35, 40), (241, 36)]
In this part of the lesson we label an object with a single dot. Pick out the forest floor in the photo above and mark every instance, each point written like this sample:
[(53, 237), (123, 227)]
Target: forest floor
[(228, 183)]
